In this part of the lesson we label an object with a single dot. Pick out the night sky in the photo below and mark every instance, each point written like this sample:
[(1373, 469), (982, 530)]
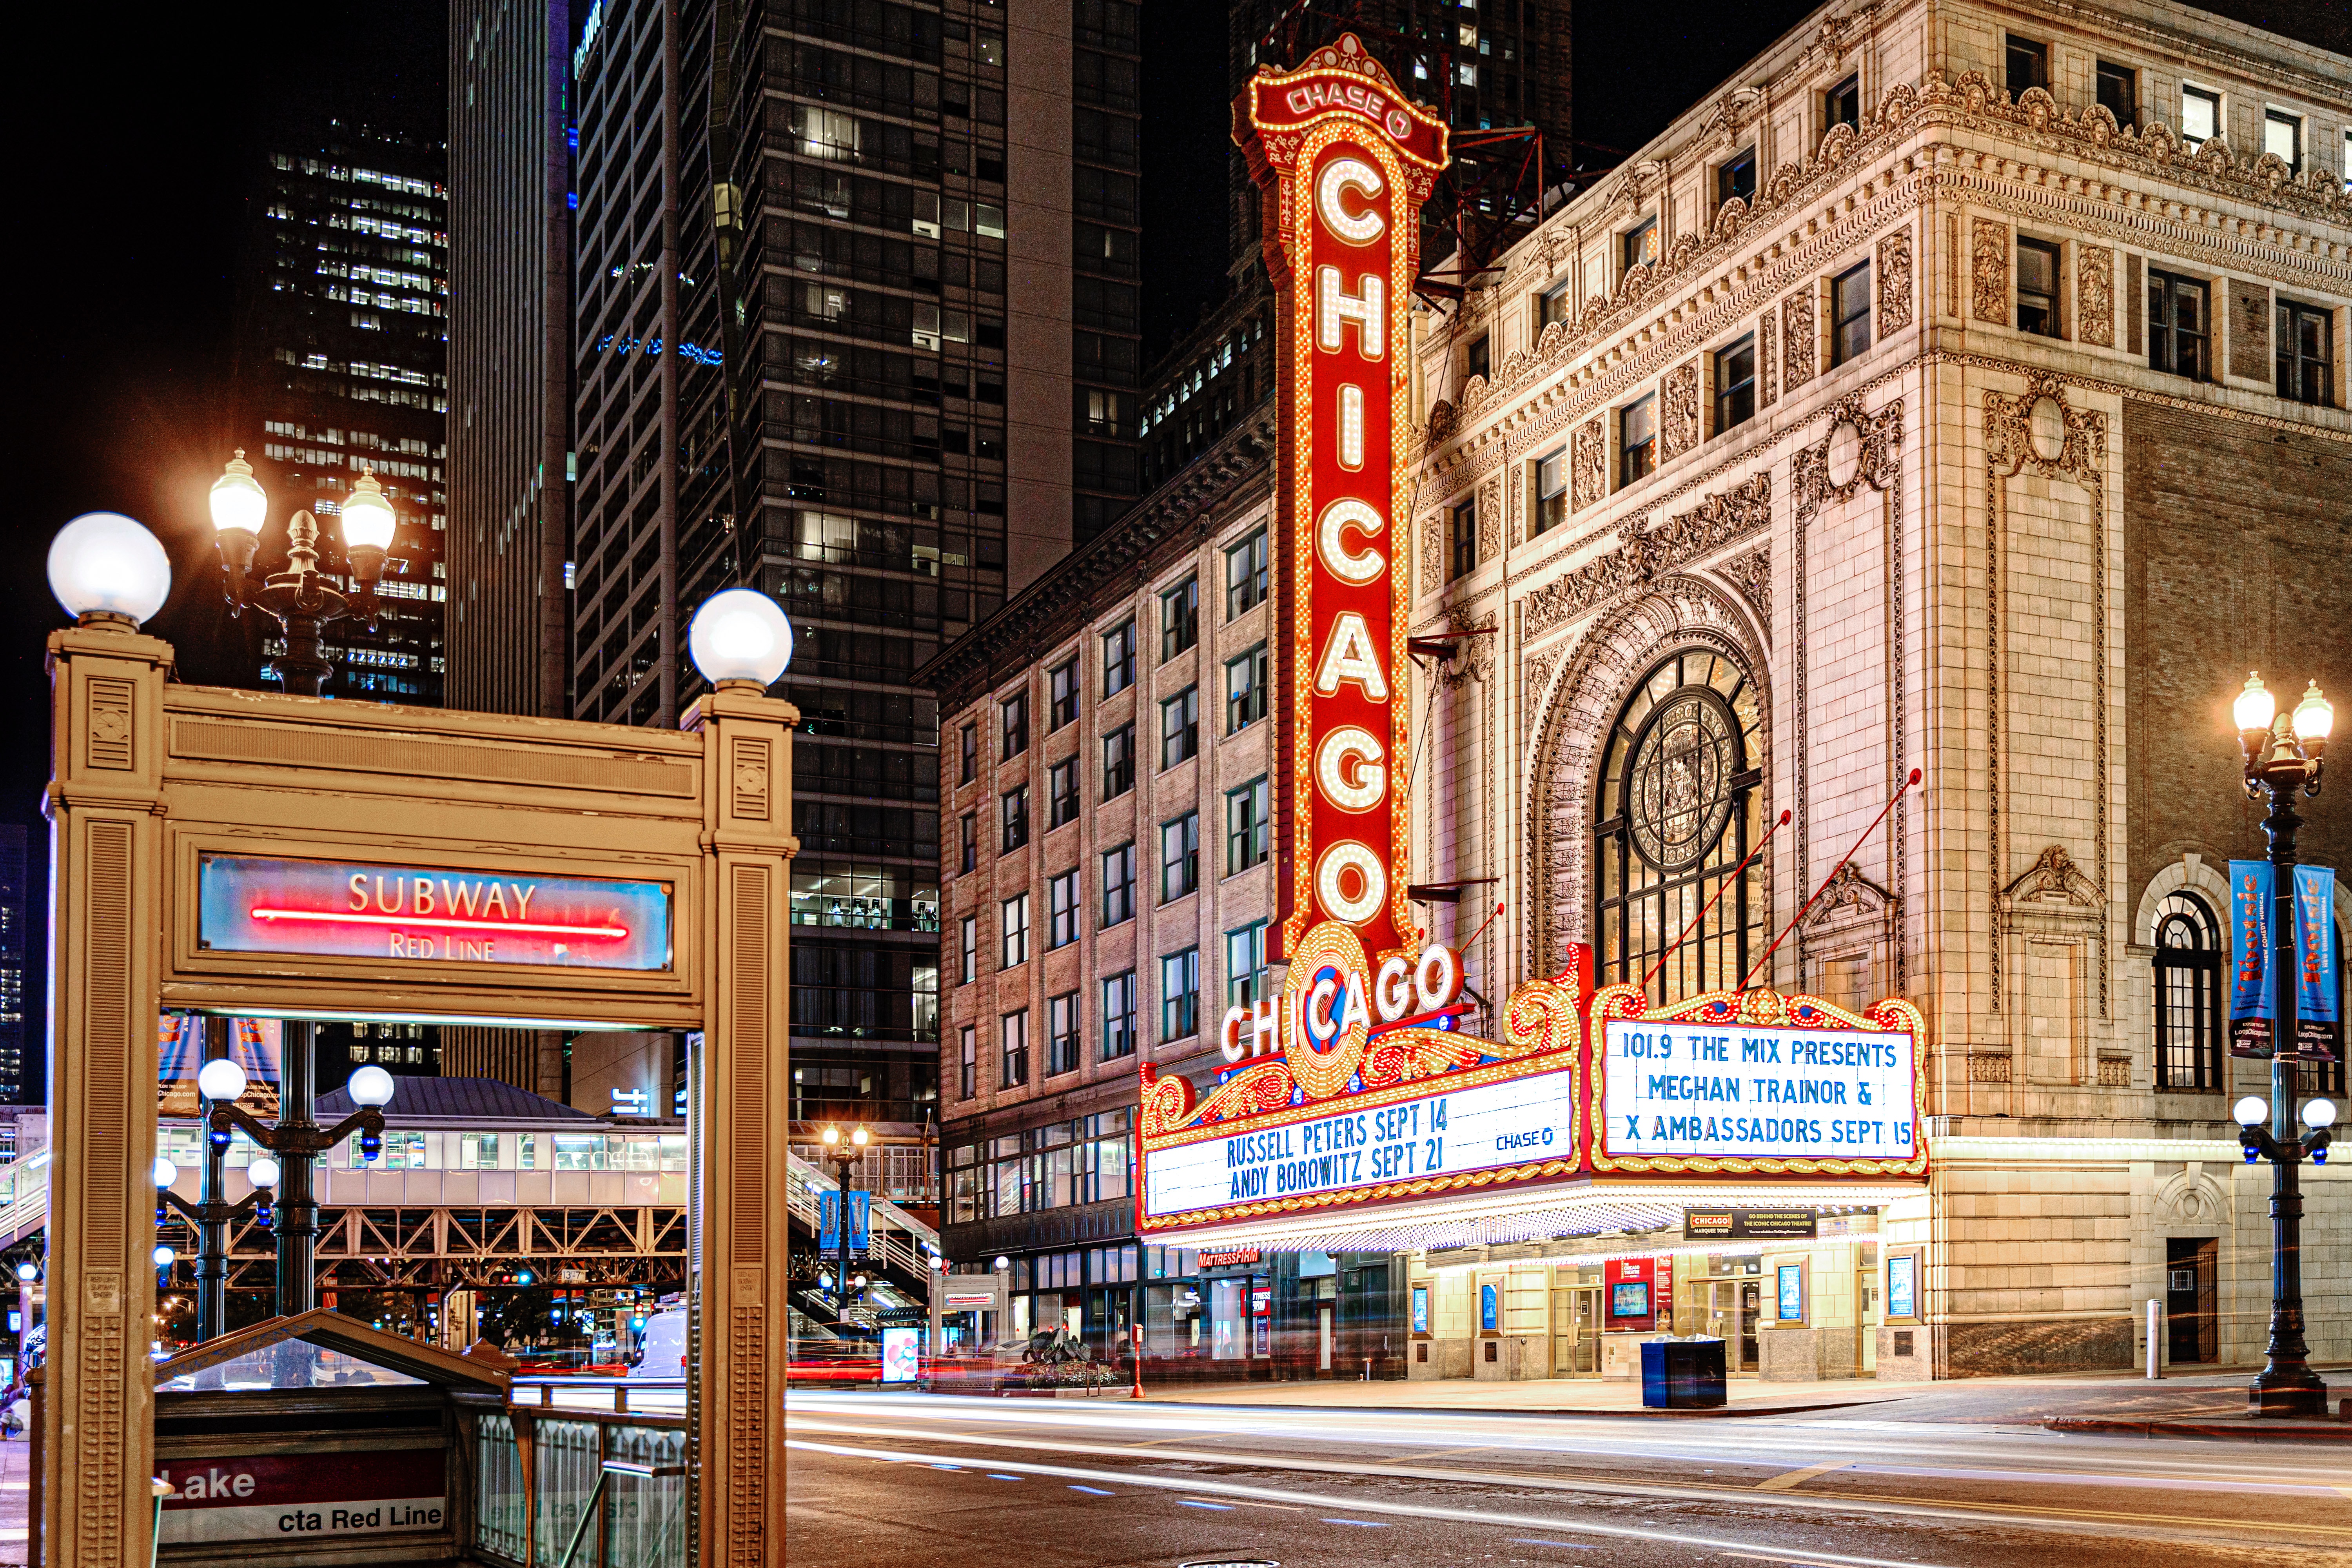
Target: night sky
[(137, 134)]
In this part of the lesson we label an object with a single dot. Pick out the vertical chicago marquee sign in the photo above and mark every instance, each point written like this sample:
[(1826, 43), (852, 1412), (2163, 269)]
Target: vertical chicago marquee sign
[(1346, 163)]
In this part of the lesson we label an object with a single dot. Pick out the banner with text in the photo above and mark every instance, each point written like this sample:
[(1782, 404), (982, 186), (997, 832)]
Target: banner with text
[(2252, 1004), (2318, 1004)]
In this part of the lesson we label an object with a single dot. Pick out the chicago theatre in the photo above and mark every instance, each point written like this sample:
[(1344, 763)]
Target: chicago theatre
[(1683, 784)]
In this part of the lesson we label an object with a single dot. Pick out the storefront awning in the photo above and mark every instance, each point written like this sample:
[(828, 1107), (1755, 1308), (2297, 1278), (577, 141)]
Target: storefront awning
[(1501, 1218)]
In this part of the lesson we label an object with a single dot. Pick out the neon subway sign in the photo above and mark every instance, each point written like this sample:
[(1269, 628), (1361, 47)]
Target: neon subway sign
[(354, 909)]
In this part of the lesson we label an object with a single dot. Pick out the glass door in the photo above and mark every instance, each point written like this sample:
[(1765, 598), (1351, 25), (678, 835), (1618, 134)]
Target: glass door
[(1575, 1320)]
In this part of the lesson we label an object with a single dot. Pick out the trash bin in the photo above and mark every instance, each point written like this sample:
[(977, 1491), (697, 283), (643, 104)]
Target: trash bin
[(1681, 1374)]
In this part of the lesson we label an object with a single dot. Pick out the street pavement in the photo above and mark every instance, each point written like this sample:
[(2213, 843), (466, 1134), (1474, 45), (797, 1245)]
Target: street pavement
[(1960, 1476)]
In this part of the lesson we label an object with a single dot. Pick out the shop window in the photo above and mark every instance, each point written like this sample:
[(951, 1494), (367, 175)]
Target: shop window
[(2188, 1033), (1677, 810)]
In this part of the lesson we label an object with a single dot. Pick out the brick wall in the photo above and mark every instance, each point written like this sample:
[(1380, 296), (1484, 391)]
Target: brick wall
[(2233, 537)]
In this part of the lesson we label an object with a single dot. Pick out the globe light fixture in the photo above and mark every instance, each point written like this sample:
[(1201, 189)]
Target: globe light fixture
[(740, 635), (859, 1136), (2250, 1110), (165, 1258), (105, 567), (2255, 706), (370, 1085), (166, 1172), (263, 1172), (28, 1271), (240, 507), (2314, 717), (301, 599), (831, 1136), (368, 525), (2318, 1113), (1003, 1263), (220, 1078)]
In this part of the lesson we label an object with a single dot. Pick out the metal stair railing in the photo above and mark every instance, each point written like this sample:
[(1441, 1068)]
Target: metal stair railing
[(900, 1240)]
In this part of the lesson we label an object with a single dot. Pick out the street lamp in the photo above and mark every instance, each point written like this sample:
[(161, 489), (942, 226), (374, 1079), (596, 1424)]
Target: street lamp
[(2283, 757), (844, 1152), (106, 569), (297, 1141), (300, 599)]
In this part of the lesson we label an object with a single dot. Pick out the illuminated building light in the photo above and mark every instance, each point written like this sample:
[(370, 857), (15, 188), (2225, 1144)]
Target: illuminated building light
[(1360, 787), (1351, 427), (1331, 541), (1349, 656), (1335, 308), (1344, 174), (1373, 882), (438, 923)]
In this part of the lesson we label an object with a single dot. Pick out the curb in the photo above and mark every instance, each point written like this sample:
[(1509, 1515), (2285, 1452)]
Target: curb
[(2245, 1431), (1560, 1412)]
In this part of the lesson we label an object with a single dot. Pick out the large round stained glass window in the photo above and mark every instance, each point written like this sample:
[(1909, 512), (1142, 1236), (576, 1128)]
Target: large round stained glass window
[(1678, 789)]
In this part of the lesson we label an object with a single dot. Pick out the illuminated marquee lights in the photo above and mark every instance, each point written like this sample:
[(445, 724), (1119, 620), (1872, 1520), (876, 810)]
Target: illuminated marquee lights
[(1346, 162)]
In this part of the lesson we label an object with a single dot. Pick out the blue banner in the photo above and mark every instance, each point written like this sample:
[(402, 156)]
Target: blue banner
[(2252, 996), (2319, 1007), (828, 1220)]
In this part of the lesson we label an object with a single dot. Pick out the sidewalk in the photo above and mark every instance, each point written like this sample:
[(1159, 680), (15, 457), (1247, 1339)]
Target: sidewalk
[(16, 1500), (1541, 1396)]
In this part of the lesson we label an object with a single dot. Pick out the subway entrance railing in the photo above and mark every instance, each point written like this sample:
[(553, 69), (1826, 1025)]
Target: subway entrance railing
[(560, 1486)]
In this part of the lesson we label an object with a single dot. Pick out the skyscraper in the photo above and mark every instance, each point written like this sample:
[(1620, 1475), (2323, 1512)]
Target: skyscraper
[(857, 321), (342, 306), (509, 356)]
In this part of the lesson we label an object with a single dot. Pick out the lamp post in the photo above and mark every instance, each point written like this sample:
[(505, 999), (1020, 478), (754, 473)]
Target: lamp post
[(844, 1153), (211, 1215), (303, 602), (2283, 757), (297, 1141)]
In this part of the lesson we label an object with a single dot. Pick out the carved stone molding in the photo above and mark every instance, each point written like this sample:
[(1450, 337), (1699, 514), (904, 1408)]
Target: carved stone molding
[(1799, 333), (2094, 295), (1752, 574), (1616, 651), (1473, 657), (1848, 899), (1768, 368), (1433, 555), (1989, 272), (1678, 420), (1587, 465), (2038, 432), (1895, 281), (1490, 520), (2052, 878), (1644, 553)]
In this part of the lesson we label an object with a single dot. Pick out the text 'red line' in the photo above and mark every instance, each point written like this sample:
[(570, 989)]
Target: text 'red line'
[(449, 922)]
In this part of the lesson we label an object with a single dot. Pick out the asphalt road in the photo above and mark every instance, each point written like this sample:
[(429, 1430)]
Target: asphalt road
[(917, 1481)]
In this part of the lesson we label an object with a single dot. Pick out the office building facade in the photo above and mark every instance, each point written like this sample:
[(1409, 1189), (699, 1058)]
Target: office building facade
[(342, 311)]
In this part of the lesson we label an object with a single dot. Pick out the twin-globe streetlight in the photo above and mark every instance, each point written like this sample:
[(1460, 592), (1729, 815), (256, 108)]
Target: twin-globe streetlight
[(2285, 756), (107, 570), (844, 1152)]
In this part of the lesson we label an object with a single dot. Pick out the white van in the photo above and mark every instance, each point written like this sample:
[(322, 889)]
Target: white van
[(661, 1349)]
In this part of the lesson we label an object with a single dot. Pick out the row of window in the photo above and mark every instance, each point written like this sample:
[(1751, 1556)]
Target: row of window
[(1180, 632), (1247, 822), (1180, 1015)]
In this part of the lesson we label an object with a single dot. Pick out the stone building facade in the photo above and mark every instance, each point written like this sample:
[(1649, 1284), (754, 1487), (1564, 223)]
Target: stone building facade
[(1962, 389)]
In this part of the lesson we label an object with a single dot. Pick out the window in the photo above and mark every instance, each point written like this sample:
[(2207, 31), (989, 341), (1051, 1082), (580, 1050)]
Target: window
[(1064, 682), (968, 849), (1558, 305), (1062, 793), (1016, 910), (1179, 856), (1015, 712), (1180, 995), (968, 1062), (1180, 727), (1850, 314), (1736, 176), (2306, 357), (1476, 360), (1637, 440), (970, 929), (1118, 658), (1246, 683), (1245, 965), (1734, 383), (2037, 286), (1119, 885), (2029, 65), (2283, 134), (1841, 105), (1180, 618), (1246, 575), (971, 753), (1551, 491), (1675, 810), (1118, 761), (2200, 113), (1013, 1033), (2177, 332), (2188, 1033), (1638, 247), (1118, 1015), (1062, 909), (2119, 92), (1247, 820), (1462, 540), (1062, 1033), (1015, 806)]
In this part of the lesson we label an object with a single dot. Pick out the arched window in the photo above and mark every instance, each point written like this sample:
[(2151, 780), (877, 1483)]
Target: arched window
[(2188, 1033), (1677, 809)]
